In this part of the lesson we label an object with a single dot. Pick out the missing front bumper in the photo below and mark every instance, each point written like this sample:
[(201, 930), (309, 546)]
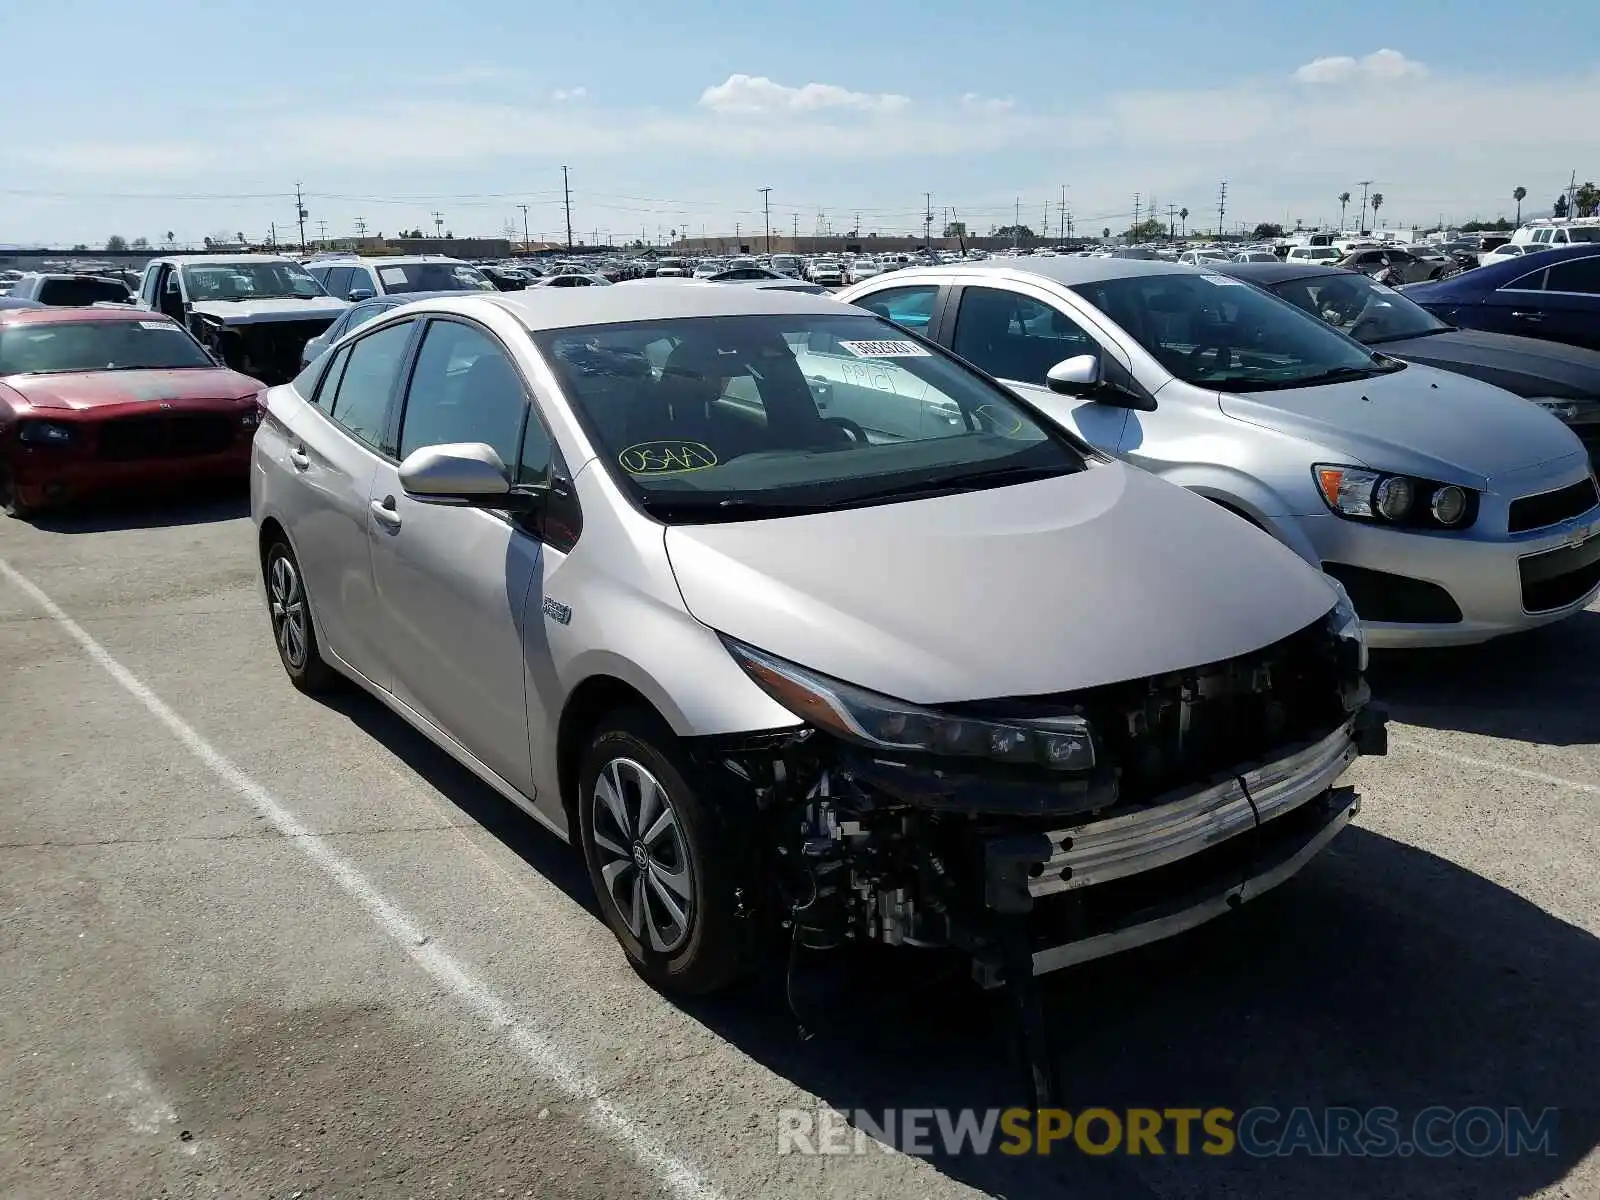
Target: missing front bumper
[(1320, 823)]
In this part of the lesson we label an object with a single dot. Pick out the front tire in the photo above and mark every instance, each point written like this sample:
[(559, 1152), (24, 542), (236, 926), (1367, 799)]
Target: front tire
[(664, 868), (292, 631), (9, 504)]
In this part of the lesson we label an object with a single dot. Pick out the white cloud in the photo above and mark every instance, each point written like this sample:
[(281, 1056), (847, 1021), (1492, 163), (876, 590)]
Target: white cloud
[(987, 104), (758, 94), (1380, 65), (577, 93)]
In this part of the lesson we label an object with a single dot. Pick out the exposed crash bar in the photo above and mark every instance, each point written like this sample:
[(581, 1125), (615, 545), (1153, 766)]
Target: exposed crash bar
[(1174, 827), (1196, 911)]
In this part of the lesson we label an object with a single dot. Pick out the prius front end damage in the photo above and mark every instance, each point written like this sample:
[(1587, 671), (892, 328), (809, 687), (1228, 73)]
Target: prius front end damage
[(1177, 798)]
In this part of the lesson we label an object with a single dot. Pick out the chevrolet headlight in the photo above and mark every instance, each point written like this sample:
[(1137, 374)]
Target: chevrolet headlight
[(1387, 498), (883, 723)]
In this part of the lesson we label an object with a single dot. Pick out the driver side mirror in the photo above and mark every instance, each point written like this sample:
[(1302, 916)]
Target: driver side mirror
[(1079, 375), (356, 295), (1083, 375), (466, 475)]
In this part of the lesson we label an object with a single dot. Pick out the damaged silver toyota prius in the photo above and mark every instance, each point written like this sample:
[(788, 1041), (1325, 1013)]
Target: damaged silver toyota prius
[(937, 674)]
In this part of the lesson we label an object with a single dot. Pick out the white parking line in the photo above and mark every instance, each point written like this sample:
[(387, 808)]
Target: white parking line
[(680, 1177), (1490, 765)]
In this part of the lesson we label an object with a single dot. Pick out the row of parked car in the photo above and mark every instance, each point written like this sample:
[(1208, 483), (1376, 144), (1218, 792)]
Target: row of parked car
[(1019, 607)]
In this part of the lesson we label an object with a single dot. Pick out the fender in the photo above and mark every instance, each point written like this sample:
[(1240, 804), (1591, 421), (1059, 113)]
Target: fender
[(1248, 496)]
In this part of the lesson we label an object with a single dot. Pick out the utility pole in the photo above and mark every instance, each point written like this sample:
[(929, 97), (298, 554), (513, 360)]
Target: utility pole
[(794, 234), (272, 235), (1222, 205), (322, 232), (766, 214), (524, 209), (566, 191), (927, 222), (1063, 212), (1136, 210), (361, 228), (1361, 224), (438, 224), (1172, 220), (1016, 224), (300, 214)]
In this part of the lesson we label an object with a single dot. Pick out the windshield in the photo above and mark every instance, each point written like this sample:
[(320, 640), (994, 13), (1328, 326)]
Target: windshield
[(1215, 332), (730, 418), (250, 281), (1360, 307), (38, 349), (399, 278)]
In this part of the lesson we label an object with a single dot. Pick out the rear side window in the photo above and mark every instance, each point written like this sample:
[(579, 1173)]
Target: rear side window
[(1575, 275), (361, 403), (80, 292), (911, 307)]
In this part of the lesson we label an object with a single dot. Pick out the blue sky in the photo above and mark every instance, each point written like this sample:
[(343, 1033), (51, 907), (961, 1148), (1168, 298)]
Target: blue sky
[(199, 117)]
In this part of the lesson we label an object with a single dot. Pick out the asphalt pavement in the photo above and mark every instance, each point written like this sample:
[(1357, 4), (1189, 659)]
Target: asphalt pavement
[(253, 944)]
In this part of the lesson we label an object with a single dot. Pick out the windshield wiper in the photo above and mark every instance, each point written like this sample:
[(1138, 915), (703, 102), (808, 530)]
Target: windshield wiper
[(969, 481), (734, 508)]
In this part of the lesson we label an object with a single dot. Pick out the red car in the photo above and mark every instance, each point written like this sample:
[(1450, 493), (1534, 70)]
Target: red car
[(100, 400)]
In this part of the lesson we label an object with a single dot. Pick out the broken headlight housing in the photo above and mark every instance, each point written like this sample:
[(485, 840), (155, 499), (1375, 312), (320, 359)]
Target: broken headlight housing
[(884, 723), (1344, 622)]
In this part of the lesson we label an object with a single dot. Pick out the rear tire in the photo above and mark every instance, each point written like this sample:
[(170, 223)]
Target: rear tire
[(292, 630), (663, 864)]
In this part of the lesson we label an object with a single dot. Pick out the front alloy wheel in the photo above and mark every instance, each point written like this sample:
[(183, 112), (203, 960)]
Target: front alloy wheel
[(643, 862), (667, 854)]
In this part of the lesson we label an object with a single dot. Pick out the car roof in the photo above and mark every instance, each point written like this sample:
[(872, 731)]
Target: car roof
[(1269, 273), (61, 315), (643, 300), (220, 260), (1060, 269)]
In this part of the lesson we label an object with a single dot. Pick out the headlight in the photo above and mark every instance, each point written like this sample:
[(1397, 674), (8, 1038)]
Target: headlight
[(1345, 623), (1580, 411), (48, 433), (883, 723), (1388, 499)]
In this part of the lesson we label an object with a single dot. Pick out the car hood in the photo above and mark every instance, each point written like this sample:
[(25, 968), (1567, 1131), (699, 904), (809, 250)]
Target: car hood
[(1066, 583), (82, 391), (1524, 365), (1420, 420), (253, 312)]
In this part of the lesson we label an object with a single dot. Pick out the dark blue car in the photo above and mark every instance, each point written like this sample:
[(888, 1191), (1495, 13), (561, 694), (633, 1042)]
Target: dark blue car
[(356, 316), (1554, 295)]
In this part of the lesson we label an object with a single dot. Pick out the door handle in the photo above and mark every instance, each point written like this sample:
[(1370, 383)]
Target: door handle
[(1528, 316), (384, 511), (821, 389), (300, 459)]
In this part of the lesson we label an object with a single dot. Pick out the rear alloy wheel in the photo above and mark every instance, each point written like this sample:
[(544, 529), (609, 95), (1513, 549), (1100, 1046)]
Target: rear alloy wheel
[(662, 865), (292, 630)]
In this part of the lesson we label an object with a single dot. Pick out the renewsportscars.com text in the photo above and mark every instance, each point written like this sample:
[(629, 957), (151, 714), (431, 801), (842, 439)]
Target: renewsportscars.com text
[(1260, 1132)]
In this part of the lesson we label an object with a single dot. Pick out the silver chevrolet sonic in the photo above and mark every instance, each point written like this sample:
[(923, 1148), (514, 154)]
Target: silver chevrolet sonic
[(933, 673), (1453, 511)]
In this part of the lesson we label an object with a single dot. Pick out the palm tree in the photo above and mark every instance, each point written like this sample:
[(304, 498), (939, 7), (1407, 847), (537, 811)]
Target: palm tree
[(1344, 199), (171, 238), (1376, 202), (1183, 215), (1518, 194)]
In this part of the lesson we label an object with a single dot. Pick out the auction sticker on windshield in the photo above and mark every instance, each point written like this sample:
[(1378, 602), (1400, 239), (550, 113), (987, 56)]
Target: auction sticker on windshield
[(885, 349), (1222, 280), (159, 325), (392, 275), (658, 458)]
